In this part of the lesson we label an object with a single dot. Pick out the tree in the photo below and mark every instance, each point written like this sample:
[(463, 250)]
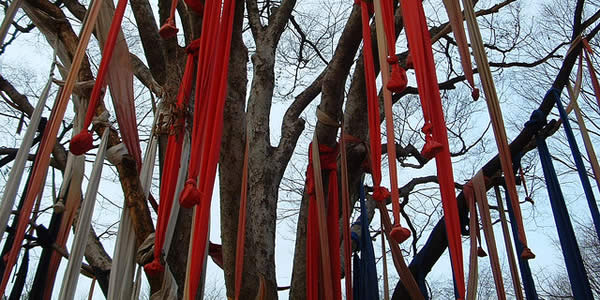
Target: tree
[(285, 58)]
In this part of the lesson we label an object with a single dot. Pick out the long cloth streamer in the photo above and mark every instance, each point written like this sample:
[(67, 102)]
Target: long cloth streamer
[(115, 70), (593, 76), (386, 285), (384, 12), (581, 169), (69, 285), (455, 17), (206, 138), (120, 286), (322, 244), (508, 245), (528, 282), (366, 285), (9, 16), (346, 213), (420, 43), (488, 230), (172, 163), (580, 285), (495, 112), (589, 147), (49, 140), (16, 171), (472, 282)]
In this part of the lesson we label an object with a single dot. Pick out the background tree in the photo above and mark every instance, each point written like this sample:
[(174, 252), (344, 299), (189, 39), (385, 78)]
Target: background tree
[(288, 57)]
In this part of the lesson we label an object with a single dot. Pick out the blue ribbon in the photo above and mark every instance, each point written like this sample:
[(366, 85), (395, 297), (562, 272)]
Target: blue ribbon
[(365, 285), (585, 180), (580, 285)]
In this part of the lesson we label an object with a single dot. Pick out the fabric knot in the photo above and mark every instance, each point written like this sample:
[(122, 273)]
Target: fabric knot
[(81, 143), (537, 121), (392, 59), (193, 47), (190, 195), (399, 234), (328, 160), (475, 94), (398, 80), (380, 193), (154, 269), (168, 30)]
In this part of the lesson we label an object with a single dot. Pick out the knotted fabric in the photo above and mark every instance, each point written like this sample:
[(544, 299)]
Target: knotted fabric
[(496, 118), (422, 55), (366, 286), (480, 192), (69, 284), (455, 18), (528, 283), (580, 285), (512, 262), (386, 38), (172, 162), (581, 169), (322, 233), (49, 140)]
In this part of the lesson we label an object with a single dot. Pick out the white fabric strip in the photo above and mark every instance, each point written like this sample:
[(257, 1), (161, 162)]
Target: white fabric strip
[(8, 18), (121, 286), (69, 285), (16, 172)]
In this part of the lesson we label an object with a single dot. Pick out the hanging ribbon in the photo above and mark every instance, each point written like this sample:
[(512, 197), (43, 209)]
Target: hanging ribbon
[(581, 170), (241, 234), (508, 245), (366, 285), (469, 195), (580, 285), (488, 230), (495, 112), (528, 283), (322, 245), (9, 16), (419, 41), (172, 162), (16, 171), (69, 285), (384, 20), (169, 29), (588, 51), (386, 285), (49, 140), (82, 142), (346, 213), (211, 86), (122, 286), (455, 17)]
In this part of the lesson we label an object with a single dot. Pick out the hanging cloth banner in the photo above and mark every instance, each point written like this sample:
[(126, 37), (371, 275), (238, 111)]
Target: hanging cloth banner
[(422, 55), (172, 163), (115, 70), (69, 285), (528, 283), (588, 51), (241, 234), (121, 286), (49, 140), (346, 213), (585, 181), (495, 111), (322, 233), (580, 285), (472, 282), (211, 88), (386, 285), (488, 230), (366, 286), (508, 244), (16, 171), (169, 29), (455, 17), (384, 20), (9, 16)]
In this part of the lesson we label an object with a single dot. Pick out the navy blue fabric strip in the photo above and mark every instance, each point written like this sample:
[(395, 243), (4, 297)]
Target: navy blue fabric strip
[(366, 286)]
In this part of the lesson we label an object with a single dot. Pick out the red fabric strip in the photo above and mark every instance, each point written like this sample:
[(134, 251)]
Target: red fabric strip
[(346, 216), (241, 234), (420, 42), (172, 163)]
